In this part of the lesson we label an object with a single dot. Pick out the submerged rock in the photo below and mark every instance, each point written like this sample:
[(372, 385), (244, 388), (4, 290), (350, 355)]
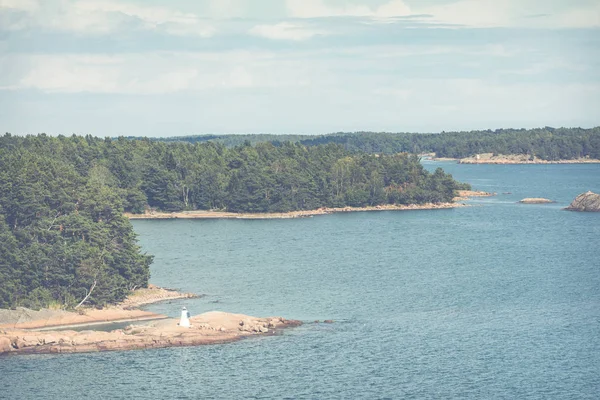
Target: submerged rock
[(588, 201), (536, 200)]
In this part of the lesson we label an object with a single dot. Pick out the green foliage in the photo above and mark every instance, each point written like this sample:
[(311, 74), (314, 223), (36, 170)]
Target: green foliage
[(62, 226)]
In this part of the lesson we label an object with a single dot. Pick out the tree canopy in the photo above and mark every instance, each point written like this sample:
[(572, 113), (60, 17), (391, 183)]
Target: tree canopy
[(62, 229)]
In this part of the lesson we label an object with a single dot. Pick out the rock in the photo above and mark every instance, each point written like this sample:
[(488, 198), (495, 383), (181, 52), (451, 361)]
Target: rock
[(5, 344), (20, 343), (80, 340), (65, 340), (588, 201), (536, 200), (49, 339)]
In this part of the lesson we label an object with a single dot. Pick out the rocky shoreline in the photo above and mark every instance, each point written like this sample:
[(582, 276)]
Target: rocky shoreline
[(208, 328), (463, 195), (24, 331), (490, 158), (210, 214), (23, 318)]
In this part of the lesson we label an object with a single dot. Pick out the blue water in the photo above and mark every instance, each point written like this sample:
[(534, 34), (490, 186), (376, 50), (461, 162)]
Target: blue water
[(495, 301)]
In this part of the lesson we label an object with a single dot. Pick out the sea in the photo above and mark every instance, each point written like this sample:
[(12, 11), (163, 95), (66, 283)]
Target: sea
[(498, 300)]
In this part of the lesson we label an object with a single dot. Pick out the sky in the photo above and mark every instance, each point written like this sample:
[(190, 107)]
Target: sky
[(187, 67)]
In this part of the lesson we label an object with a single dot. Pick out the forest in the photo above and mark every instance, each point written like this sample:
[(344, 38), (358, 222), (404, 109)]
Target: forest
[(546, 143), (63, 235)]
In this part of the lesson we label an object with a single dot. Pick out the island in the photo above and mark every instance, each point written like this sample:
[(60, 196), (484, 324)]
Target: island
[(536, 200)]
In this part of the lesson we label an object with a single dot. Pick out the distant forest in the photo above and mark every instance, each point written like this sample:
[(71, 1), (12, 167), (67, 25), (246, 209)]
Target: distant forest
[(545, 143), (63, 235)]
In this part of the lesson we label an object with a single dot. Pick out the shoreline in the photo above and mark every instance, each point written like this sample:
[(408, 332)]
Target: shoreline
[(50, 331), (509, 159), (464, 195), (208, 328), (209, 214), (127, 310)]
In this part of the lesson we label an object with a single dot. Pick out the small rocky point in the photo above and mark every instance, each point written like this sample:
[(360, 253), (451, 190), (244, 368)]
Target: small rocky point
[(208, 328), (536, 200), (588, 201)]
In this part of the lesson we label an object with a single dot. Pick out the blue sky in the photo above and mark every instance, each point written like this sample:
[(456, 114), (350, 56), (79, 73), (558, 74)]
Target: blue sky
[(182, 67)]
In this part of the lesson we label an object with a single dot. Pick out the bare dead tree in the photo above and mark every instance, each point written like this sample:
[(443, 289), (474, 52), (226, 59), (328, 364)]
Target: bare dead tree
[(87, 295)]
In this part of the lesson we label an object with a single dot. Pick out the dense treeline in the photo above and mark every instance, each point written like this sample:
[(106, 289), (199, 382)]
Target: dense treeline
[(62, 230), (545, 143), (261, 178)]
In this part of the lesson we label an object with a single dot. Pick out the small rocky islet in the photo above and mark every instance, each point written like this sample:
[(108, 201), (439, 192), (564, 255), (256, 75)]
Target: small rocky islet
[(536, 200), (588, 202), (208, 328)]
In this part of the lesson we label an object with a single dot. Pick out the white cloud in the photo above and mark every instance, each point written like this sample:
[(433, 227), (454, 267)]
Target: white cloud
[(318, 8), (20, 5), (472, 13), (285, 31), (106, 16), (513, 13), (153, 73), (238, 77), (581, 17), (225, 9)]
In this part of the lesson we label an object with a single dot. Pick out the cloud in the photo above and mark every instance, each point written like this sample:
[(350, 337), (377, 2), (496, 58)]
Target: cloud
[(467, 13), (515, 13), (104, 17), (318, 8), (226, 9), (480, 13), (20, 5), (583, 17), (285, 31), (153, 73)]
